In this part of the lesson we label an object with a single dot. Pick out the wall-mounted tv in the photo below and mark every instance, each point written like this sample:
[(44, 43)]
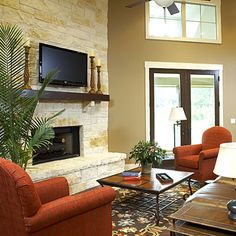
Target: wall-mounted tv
[(71, 65)]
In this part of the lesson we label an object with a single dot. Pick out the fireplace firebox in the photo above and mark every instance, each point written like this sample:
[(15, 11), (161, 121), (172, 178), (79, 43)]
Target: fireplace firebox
[(64, 145)]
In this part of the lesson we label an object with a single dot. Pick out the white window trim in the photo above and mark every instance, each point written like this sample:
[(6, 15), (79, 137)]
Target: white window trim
[(174, 65), (216, 3)]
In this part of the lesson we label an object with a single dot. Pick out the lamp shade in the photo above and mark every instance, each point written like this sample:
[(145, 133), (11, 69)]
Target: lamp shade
[(164, 3), (226, 161), (177, 113)]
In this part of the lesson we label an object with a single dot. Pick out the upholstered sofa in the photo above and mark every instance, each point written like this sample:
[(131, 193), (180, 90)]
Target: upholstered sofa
[(46, 209)]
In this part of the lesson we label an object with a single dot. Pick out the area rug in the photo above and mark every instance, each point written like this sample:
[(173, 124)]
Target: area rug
[(133, 212)]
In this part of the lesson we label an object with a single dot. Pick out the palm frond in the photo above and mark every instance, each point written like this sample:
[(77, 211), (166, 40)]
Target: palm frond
[(38, 121), (41, 137), (20, 133), (49, 77)]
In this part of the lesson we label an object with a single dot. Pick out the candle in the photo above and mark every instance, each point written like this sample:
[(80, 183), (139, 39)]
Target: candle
[(98, 62), (27, 42), (91, 53)]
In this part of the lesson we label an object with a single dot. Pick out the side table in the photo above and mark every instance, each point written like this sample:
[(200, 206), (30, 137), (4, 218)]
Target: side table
[(196, 219)]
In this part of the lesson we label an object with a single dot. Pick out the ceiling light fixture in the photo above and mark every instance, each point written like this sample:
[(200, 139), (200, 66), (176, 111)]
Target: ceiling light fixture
[(164, 3)]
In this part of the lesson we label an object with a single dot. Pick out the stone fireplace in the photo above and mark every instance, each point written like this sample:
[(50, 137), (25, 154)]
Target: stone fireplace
[(79, 26), (93, 161), (92, 119)]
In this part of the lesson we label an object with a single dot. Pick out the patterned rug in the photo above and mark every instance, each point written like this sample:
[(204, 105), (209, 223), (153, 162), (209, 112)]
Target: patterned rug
[(133, 212)]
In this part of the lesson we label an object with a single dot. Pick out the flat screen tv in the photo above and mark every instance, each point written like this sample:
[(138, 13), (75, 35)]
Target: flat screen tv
[(71, 65)]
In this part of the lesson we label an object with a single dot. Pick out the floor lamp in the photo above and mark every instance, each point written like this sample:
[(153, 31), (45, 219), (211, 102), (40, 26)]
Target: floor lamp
[(176, 115)]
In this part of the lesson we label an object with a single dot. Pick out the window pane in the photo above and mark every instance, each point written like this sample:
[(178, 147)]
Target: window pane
[(156, 27), (166, 96), (202, 105), (193, 30), (158, 12), (208, 31), (173, 28), (192, 12), (155, 10), (208, 14), (170, 28)]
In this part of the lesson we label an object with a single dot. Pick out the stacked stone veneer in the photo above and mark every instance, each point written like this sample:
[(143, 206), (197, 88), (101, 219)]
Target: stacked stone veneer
[(80, 172), (92, 119), (81, 26)]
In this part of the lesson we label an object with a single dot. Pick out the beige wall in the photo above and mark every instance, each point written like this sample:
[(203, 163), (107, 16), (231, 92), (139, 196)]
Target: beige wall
[(128, 50)]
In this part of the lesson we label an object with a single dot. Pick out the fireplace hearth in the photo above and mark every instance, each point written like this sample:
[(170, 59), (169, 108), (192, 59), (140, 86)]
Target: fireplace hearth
[(65, 145)]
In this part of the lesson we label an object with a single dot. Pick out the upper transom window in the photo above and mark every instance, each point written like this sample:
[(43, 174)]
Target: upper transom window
[(196, 21)]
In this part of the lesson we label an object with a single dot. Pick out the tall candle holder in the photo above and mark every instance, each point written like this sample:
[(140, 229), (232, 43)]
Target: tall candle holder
[(92, 78), (99, 91), (26, 69)]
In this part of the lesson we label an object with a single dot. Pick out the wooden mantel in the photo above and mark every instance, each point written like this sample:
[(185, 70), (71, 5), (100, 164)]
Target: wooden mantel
[(55, 96)]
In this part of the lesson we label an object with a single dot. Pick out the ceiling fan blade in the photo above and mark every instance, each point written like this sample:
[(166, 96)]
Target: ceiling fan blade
[(137, 3), (173, 9)]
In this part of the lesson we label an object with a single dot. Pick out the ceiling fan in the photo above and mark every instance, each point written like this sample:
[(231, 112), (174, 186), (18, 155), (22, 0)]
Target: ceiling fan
[(169, 4)]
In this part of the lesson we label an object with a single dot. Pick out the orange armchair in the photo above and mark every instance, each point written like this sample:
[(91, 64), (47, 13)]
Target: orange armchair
[(46, 209), (201, 158)]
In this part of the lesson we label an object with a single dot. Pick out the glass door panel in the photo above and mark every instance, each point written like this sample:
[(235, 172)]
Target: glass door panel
[(166, 96), (202, 105), (197, 91)]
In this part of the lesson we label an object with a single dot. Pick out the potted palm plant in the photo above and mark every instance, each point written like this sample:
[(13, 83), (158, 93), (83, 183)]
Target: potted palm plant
[(147, 153), (20, 132)]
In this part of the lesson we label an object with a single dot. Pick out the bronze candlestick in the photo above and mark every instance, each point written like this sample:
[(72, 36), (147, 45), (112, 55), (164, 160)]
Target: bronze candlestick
[(99, 91), (92, 79), (26, 69)]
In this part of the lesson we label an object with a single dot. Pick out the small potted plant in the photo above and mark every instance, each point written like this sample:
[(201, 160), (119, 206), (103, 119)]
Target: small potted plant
[(147, 153)]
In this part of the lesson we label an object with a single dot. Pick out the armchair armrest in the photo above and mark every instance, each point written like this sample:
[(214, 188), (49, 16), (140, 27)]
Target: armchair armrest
[(70, 206), (208, 154), (52, 189), (187, 150)]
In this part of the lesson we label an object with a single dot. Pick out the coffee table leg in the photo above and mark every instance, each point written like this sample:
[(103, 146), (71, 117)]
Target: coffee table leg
[(186, 195), (157, 209), (189, 185)]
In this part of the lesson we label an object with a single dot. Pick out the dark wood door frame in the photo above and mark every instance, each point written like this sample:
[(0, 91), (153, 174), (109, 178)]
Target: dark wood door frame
[(185, 98)]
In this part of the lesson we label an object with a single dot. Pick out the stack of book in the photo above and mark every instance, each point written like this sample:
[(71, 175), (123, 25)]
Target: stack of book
[(131, 175)]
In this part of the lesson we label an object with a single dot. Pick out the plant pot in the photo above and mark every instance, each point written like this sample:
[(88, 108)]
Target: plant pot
[(147, 168)]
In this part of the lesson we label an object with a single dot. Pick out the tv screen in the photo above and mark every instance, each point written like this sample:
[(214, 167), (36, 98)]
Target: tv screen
[(71, 65)]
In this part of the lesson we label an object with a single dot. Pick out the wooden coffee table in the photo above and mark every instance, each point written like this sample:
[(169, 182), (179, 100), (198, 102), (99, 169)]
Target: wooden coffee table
[(149, 183)]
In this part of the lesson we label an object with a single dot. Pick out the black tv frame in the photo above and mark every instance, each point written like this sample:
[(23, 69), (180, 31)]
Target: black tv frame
[(83, 83)]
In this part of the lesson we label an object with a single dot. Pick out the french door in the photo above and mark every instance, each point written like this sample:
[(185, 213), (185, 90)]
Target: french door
[(197, 91)]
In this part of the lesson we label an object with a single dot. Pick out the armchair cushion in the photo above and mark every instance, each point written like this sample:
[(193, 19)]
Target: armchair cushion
[(210, 153), (189, 161), (52, 189), (67, 207), (187, 150)]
